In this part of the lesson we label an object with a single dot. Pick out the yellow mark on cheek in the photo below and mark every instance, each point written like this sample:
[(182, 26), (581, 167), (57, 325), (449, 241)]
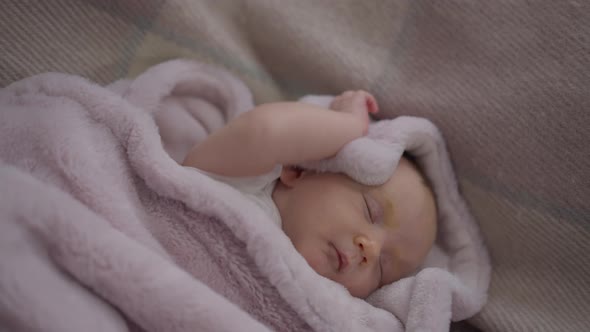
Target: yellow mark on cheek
[(389, 214)]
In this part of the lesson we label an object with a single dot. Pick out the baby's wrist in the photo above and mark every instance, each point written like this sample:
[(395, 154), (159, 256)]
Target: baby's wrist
[(361, 123)]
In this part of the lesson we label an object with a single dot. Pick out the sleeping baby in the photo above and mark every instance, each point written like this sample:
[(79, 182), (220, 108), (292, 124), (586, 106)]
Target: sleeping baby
[(360, 236)]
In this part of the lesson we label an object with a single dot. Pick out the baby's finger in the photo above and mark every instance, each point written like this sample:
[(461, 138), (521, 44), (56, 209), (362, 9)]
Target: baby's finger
[(372, 105), (336, 104)]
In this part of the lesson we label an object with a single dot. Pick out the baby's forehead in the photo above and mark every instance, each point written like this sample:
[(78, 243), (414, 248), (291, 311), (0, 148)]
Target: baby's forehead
[(406, 165)]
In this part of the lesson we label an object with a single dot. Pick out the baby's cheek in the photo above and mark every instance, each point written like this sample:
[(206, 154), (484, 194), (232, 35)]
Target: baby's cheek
[(316, 261)]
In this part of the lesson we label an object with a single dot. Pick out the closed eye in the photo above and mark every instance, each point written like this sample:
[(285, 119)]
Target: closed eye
[(368, 210)]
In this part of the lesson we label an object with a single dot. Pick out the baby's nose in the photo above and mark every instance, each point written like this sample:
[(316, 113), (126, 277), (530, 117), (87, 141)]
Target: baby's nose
[(369, 248)]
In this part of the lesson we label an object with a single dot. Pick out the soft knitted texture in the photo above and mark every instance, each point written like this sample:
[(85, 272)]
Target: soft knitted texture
[(100, 224), (505, 81)]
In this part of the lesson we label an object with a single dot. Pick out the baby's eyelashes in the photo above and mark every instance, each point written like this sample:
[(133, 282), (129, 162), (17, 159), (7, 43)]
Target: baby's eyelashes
[(374, 209), (367, 210)]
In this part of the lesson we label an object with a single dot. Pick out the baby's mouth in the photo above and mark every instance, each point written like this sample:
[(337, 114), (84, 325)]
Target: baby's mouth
[(342, 260)]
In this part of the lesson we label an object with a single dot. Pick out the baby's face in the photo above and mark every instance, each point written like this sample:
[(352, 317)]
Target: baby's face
[(360, 236)]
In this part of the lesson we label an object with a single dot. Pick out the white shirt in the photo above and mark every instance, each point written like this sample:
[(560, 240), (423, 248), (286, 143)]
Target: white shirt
[(258, 189)]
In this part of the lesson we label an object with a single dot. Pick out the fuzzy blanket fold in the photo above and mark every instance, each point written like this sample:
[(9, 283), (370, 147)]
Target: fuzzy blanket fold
[(102, 230)]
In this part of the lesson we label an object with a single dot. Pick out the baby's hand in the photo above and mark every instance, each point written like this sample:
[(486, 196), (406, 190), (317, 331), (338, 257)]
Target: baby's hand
[(359, 103)]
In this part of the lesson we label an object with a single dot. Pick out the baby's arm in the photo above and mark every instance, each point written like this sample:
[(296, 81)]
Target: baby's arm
[(282, 133)]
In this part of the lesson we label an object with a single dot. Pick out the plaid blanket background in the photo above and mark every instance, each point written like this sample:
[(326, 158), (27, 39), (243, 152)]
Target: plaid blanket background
[(506, 81)]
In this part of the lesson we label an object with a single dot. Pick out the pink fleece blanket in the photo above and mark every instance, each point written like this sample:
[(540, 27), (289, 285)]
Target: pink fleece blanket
[(102, 230)]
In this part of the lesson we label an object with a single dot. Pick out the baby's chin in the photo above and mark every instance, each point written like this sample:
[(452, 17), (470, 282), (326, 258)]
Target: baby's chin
[(361, 292)]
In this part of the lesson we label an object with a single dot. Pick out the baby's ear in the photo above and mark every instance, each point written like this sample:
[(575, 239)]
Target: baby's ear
[(290, 175)]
